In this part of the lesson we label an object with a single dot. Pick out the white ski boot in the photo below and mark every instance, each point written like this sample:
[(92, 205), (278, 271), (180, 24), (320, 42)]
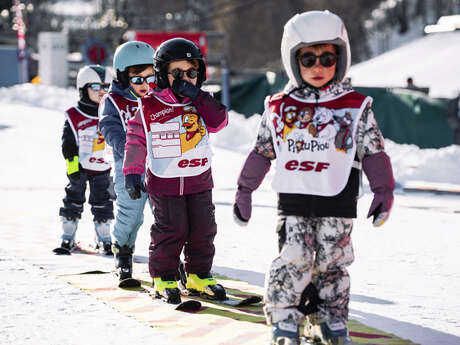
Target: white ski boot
[(329, 333), (103, 239), (285, 333), (69, 227)]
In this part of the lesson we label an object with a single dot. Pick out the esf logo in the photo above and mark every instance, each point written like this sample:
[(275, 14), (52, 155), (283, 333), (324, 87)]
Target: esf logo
[(195, 162), (306, 166)]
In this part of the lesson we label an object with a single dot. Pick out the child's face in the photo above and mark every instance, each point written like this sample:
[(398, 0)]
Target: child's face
[(96, 91), (317, 75), (184, 67), (141, 89)]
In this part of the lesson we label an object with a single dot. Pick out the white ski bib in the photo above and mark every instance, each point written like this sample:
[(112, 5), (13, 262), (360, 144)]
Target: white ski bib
[(177, 139), (314, 142), (90, 141)]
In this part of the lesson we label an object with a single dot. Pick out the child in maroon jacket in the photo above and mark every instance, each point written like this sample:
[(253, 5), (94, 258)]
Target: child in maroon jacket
[(171, 130)]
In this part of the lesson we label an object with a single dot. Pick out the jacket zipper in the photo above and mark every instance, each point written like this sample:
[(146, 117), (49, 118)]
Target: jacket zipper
[(181, 185)]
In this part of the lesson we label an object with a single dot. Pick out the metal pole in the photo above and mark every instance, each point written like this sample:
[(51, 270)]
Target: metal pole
[(22, 56)]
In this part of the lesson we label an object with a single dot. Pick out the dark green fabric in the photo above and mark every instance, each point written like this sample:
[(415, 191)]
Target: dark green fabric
[(411, 117), (404, 116)]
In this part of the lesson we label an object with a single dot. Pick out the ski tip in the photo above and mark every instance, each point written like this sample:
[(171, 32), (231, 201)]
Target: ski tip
[(61, 251), (129, 283), (190, 305)]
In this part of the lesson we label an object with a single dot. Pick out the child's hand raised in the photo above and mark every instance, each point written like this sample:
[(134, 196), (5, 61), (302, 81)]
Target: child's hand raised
[(185, 89)]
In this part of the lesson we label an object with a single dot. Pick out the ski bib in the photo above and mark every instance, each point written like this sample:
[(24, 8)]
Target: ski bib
[(90, 141), (177, 139), (126, 107), (314, 141)]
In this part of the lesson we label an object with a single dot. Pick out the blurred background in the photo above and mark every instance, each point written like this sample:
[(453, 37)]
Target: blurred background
[(392, 41)]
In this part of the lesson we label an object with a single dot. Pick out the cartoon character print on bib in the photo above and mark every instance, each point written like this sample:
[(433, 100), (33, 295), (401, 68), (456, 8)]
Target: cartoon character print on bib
[(91, 143), (314, 143), (179, 141)]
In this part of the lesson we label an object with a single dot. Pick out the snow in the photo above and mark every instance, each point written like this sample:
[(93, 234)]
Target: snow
[(405, 277), (432, 61)]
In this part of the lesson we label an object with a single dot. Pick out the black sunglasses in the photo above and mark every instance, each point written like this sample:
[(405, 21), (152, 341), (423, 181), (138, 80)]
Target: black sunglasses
[(99, 87), (136, 80), (326, 59), (179, 74)]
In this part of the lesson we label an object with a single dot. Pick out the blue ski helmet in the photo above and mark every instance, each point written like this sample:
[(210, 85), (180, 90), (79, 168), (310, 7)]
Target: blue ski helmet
[(132, 53)]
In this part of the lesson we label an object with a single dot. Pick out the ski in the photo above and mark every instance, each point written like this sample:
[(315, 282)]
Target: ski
[(229, 301), (187, 305), (61, 251), (129, 283), (80, 250)]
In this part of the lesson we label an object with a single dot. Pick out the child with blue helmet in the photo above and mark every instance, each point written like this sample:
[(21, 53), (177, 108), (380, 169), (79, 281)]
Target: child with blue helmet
[(133, 64)]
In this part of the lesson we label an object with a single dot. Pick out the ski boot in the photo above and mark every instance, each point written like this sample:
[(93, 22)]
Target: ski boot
[(123, 261), (204, 285), (285, 333), (103, 240), (167, 289), (329, 333), (69, 227)]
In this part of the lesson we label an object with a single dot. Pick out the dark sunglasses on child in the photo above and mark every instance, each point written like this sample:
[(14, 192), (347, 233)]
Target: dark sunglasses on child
[(99, 87), (179, 74), (326, 59), (136, 80)]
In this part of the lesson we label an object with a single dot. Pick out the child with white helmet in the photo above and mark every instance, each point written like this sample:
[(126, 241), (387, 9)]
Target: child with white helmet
[(83, 150), (133, 63), (320, 153)]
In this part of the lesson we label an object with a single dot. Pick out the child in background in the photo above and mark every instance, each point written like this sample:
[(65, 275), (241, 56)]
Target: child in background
[(83, 150), (332, 134), (172, 130), (133, 63)]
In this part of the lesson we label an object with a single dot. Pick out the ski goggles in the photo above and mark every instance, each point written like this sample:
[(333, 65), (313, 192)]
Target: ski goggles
[(177, 73), (327, 59), (137, 80), (99, 87)]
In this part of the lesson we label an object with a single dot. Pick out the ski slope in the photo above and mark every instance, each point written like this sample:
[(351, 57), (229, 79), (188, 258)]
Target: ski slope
[(405, 277), (432, 61)]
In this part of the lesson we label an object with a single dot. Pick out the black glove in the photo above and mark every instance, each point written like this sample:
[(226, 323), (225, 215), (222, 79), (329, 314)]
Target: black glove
[(134, 186), (185, 89)]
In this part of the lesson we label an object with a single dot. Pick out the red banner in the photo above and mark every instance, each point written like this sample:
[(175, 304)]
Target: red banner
[(156, 38)]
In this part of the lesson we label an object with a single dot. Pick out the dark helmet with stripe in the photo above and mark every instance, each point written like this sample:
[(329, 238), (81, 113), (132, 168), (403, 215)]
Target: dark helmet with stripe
[(173, 50)]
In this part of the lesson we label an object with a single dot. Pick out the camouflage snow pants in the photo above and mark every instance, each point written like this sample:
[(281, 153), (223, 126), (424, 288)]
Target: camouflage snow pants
[(312, 250)]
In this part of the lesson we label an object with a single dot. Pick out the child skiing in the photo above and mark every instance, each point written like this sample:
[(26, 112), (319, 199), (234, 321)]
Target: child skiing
[(133, 63), (83, 150), (321, 133), (172, 130)]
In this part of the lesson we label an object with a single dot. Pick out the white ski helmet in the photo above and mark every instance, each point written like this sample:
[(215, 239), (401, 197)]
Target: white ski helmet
[(93, 74), (310, 28)]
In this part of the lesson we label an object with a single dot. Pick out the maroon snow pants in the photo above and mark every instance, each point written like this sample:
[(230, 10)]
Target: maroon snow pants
[(186, 223)]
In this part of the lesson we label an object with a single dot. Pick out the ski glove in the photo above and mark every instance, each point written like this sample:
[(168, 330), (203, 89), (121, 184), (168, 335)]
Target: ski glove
[(242, 208), (186, 89), (134, 186), (378, 170), (251, 176), (73, 168)]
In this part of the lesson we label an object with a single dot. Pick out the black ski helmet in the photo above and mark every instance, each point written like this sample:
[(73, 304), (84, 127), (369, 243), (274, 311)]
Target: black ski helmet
[(173, 50)]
